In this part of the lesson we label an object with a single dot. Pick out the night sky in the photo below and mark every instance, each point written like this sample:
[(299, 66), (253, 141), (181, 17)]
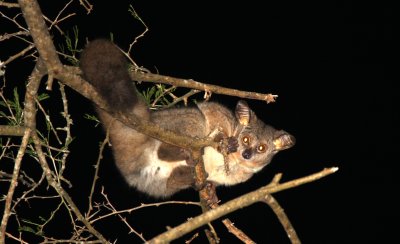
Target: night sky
[(332, 65)]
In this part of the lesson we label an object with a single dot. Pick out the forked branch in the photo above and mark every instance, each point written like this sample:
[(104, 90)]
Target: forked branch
[(238, 203)]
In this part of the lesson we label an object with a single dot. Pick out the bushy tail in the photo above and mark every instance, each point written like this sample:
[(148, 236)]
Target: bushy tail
[(105, 67)]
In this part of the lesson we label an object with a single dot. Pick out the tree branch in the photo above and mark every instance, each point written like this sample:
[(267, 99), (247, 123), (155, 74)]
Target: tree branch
[(280, 213), (47, 51), (84, 88), (30, 122), (9, 5), (189, 83), (13, 184), (41, 36), (233, 205), (8, 130)]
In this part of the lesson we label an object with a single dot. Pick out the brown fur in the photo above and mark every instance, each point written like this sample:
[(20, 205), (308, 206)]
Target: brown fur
[(157, 168)]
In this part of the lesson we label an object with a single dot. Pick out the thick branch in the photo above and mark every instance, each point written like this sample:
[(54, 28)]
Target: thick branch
[(40, 34), (233, 205)]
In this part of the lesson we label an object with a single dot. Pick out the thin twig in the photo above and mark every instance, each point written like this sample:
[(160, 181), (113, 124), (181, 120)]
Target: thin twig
[(20, 54), (131, 229), (67, 128), (14, 21), (183, 98), (60, 190), (86, 5), (17, 239), (9, 5), (56, 20), (13, 184), (136, 16), (143, 205), (7, 36), (166, 91), (97, 168), (32, 189), (47, 117)]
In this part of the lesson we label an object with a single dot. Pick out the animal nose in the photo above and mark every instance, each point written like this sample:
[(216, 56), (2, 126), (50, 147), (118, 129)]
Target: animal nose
[(247, 153)]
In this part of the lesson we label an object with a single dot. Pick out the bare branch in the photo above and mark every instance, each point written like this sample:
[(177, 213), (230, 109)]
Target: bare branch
[(13, 184), (189, 83), (213, 202), (280, 213), (136, 16), (143, 205), (41, 36), (67, 127), (237, 232), (7, 36), (97, 168), (8, 130), (114, 210), (86, 5), (17, 239), (240, 202), (61, 191), (20, 54), (45, 46), (183, 98), (9, 5), (14, 20), (57, 19)]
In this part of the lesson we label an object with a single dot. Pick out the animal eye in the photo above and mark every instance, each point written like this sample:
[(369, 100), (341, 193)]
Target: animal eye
[(261, 148), (246, 140)]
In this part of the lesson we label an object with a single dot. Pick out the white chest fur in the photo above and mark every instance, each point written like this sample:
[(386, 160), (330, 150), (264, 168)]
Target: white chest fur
[(154, 175), (159, 168), (214, 164)]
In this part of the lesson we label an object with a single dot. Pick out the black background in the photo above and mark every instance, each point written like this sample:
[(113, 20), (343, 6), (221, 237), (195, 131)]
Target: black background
[(332, 65)]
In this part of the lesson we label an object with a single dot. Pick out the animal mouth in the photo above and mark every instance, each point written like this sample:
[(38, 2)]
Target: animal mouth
[(236, 161)]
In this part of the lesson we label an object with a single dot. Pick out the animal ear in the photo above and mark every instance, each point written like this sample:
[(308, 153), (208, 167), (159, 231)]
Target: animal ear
[(283, 140), (243, 112)]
